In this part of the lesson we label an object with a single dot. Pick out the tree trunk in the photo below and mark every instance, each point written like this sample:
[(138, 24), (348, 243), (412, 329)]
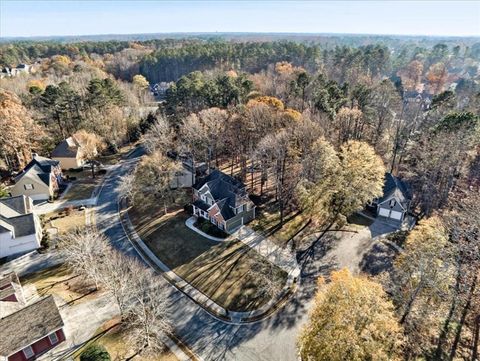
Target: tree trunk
[(410, 303), (463, 317), (446, 325), (93, 169), (476, 337)]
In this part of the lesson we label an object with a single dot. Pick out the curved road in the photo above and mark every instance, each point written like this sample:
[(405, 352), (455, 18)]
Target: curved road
[(211, 339)]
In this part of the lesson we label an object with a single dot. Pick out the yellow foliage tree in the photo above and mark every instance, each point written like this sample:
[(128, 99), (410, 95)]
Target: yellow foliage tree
[(140, 81), (352, 319), (36, 83), (267, 100)]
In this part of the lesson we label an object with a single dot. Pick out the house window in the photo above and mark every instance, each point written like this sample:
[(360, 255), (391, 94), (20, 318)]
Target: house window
[(213, 220), (28, 186), (53, 338), (28, 352), (392, 203)]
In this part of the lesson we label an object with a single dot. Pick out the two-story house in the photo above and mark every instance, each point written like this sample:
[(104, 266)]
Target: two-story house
[(40, 179), (20, 228), (28, 330), (395, 202), (222, 200)]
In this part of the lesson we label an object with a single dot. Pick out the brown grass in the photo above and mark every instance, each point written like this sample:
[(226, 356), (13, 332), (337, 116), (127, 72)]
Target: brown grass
[(219, 270), (84, 185), (59, 280), (63, 222), (113, 337)]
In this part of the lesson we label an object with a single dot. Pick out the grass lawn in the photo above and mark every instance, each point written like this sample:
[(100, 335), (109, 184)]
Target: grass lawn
[(113, 338), (219, 270), (59, 280), (268, 219), (63, 222), (115, 158), (83, 186)]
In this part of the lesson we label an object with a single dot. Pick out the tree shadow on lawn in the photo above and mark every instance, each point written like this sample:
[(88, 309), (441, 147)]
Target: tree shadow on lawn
[(379, 258), (216, 340), (224, 274)]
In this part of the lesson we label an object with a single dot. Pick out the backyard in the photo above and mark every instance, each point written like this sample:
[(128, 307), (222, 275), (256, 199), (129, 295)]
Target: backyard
[(221, 270)]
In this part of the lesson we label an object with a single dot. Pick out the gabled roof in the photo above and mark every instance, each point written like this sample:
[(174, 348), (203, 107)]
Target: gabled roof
[(13, 206), (226, 191), (14, 217), (39, 168), (395, 187), (29, 324), (68, 148)]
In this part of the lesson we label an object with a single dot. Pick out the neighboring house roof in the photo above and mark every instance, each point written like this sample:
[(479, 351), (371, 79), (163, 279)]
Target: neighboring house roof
[(68, 148), (395, 187), (8, 278), (39, 168), (226, 191), (14, 217), (13, 206), (29, 325)]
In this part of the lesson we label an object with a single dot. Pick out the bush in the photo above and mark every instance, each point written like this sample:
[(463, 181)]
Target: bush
[(68, 210), (209, 228), (95, 352), (188, 208)]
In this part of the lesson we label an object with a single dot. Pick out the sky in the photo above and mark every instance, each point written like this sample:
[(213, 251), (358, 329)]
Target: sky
[(47, 18)]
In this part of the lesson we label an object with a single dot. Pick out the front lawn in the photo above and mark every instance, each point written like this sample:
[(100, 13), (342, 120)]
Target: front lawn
[(83, 184), (267, 223), (65, 220), (221, 270), (114, 338), (59, 281)]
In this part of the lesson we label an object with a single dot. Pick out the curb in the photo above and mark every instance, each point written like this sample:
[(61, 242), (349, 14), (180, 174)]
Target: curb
[(230, 317)]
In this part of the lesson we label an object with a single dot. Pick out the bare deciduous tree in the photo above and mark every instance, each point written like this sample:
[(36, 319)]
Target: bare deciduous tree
[(148, 319), (84, 250), (159, 137)]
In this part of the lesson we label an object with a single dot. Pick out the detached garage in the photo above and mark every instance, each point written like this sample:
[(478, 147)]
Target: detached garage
[(395, 201)]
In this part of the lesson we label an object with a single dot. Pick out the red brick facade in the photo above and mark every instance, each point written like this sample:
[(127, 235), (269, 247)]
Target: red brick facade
[(39, 347)]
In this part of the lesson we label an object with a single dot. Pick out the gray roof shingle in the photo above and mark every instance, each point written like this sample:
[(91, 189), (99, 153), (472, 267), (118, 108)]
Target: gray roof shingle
[(68, 148), (28, 325)]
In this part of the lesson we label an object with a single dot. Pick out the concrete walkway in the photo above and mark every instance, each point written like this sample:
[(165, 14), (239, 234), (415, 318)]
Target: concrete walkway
[(207, 303), (50, 207), (190, 224), (153, 261), (276, 255)]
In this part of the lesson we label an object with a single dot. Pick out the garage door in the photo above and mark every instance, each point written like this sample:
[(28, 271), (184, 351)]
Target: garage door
[(39, 197), (384, 212), (396, 215)]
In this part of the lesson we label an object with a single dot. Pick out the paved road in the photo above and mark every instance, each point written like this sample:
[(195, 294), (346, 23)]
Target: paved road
[(269, 340)]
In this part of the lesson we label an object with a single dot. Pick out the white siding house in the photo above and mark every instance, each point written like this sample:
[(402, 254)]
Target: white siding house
[(20, 228)]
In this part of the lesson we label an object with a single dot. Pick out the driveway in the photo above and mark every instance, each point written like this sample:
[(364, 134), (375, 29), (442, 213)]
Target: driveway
[(273, 339), (81, 321)]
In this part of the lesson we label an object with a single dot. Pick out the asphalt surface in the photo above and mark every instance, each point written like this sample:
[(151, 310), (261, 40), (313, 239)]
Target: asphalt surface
[(273, 339)]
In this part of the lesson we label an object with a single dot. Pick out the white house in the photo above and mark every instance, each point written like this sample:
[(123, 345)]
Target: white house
[(395, 200), (20, 228)]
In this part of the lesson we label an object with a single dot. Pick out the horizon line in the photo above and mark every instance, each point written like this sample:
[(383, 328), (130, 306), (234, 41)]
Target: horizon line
[(27, 37)]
